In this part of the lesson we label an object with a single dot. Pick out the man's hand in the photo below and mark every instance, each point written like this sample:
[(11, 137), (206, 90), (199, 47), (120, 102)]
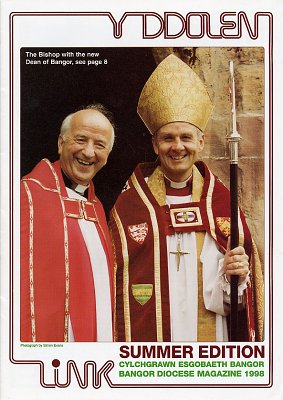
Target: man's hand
[(236, 262)]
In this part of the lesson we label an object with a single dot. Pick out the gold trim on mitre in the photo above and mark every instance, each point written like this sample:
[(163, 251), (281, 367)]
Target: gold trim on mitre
[(174, 93)]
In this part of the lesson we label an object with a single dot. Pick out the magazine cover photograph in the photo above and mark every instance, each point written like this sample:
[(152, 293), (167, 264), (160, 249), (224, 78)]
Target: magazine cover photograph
[(137, 251), (172, 265)]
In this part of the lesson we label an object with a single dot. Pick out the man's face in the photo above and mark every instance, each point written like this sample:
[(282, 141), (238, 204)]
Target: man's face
[(86, 145), (178, 145)]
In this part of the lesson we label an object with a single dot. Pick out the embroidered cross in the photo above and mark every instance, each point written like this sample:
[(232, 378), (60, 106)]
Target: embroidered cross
[(184, 217)]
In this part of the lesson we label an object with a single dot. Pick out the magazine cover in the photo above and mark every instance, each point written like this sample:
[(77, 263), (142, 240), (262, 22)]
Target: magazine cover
[(140, 200)]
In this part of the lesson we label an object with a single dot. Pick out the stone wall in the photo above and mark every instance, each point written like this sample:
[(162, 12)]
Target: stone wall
[(212, 66)]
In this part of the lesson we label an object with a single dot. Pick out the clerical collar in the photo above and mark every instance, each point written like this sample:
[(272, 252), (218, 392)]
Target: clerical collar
[(178, 188), (178, 185), (80, 189)]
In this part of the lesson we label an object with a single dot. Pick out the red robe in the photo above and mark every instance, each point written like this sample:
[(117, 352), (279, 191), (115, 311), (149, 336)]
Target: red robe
[(56, 273), (139, 226)]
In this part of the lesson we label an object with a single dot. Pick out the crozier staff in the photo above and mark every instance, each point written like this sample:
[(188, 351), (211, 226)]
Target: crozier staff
[(233, 141), (170, 227), (66, 255)]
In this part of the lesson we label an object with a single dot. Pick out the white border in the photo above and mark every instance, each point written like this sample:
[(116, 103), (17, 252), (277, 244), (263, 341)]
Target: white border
[(39, 34)]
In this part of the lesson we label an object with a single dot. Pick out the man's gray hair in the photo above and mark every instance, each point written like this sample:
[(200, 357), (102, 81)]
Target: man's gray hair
[(94, 106), (199, 133)]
